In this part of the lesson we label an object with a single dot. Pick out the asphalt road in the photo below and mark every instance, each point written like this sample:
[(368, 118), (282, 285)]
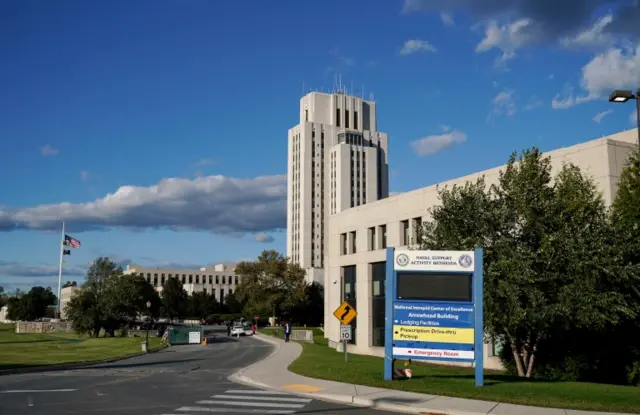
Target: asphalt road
[(183, 380)]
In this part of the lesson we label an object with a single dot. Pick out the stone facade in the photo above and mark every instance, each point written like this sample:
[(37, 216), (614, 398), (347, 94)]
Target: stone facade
[(43, 327)]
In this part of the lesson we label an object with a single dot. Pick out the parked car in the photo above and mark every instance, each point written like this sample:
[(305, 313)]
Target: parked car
[(238, 330)]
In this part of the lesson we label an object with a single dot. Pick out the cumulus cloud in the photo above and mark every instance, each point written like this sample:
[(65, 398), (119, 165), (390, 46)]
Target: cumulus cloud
[(447, 19), (507, 38), (22, 270), (615, 68), (533, 103), (218, 204), (599, 116), (593, 36), (504, 103), (416, 45), (263, 237), (49, 151), (432, 144), (556, 19)]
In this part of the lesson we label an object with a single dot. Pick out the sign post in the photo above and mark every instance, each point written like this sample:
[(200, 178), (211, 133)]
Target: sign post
[(345, 314), (434, 308)]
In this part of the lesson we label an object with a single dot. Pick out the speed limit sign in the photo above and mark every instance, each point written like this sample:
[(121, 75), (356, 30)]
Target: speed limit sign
[(345, 332)]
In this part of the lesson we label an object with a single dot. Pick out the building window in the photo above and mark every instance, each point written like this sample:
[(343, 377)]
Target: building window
[(353, 242), (372, 238), (378, 279), (346, 118), (224, 279), (343, 243), (349, 294), (217, 279), (405, 232), (210, 279), (383, 234), (417, 230), (190, 279), (355, 120), (198, 279), (337, 117), (306, 115), (162, 280)]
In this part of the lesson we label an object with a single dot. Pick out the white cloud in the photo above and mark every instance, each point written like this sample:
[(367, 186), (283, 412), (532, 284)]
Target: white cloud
[(263, 237), (218, 204), (340, 61), (84, 175), (533, 103), (49, 151), (19, 269), (432, 144), (504, 103), (599, 116), (445, 128), (204, 162), (592, 37), (416, 45), (615, 68), (447, 19), (507, 38)]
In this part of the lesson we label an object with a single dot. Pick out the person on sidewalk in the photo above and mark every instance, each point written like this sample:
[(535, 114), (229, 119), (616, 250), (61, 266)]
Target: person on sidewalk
[(287, 332), (253, 329), (228, 328)]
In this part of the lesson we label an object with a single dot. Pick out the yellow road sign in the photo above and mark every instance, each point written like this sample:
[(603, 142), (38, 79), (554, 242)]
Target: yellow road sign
[(345, 313)]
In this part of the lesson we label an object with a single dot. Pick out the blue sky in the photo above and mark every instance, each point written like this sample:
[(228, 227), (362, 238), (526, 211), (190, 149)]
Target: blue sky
[(157, 129)]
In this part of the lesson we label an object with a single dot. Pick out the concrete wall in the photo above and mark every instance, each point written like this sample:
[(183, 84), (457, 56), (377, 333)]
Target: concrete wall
[(43, 327), (602, 159)]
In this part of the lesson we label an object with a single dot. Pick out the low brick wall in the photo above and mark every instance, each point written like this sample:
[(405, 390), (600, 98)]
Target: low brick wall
[(43, 327)]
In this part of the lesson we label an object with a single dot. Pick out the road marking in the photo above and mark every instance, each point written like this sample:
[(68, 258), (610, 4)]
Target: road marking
[(233, 410), (262, 398), (39, 390), (256, 392), (254, 404), (302, 388)]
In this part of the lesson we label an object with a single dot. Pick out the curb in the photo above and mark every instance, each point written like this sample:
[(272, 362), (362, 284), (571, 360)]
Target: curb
[(77, 365), (357, 401)]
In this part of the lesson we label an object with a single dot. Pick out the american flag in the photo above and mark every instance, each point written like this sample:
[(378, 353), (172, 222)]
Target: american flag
[(72, 242)]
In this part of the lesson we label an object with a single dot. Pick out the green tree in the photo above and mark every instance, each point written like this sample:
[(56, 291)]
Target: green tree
[(32, 305), (175, 299), (547, 252), (92, 308), (311, 309), (232, 305), (202, 305), (126, 298), (70, 284), (270, 285)]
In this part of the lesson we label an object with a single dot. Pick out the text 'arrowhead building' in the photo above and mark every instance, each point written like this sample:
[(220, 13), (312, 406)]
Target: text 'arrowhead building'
[(337, 159)]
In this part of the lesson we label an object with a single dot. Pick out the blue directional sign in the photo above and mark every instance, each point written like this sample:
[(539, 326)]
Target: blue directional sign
[(434, 308)]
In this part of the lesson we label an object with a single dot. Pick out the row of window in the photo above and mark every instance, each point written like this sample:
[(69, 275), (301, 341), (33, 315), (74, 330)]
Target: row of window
[(347, 119), (410, 233), (158, 281)]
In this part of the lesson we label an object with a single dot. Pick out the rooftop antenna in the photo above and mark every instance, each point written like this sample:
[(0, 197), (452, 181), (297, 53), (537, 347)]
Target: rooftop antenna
[(351, 88)]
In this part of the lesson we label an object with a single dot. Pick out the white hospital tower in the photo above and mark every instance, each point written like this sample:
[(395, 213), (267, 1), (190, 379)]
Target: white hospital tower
[(340, 217)]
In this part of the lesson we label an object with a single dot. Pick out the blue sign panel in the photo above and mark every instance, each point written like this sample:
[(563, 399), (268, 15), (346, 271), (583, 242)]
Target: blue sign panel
[(434, 308)]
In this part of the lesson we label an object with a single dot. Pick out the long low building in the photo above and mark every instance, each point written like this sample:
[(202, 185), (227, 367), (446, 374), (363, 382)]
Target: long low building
[(355, 259), (219, 280)]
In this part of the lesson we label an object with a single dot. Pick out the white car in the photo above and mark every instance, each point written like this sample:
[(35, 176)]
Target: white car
[(238, 331)]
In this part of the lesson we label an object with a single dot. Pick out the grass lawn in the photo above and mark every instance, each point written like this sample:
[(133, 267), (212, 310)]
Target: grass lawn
[(26, 350), (322, 362)]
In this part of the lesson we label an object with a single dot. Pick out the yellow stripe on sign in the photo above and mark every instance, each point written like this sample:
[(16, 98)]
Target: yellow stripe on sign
[(433, 334)]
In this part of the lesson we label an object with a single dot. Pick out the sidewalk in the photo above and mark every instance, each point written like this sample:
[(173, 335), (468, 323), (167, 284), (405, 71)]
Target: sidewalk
[(272, 373)]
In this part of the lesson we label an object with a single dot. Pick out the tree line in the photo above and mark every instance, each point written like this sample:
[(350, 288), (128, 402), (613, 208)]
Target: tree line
[(270, 286), (32, 305), (562, 270)]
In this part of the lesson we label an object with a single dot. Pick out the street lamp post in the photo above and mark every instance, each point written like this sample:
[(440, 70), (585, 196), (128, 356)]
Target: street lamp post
[(622, 96), (148, 314)]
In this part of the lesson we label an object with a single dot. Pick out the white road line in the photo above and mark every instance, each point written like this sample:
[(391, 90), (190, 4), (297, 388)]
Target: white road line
[(256, 392), (254, 404), (233, 410), (39, 390), (262, 398)]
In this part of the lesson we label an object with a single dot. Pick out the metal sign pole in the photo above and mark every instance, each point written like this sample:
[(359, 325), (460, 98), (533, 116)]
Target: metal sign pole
[(346, 356)]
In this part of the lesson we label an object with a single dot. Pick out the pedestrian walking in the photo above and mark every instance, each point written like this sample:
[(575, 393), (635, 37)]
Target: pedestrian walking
[(253, 328), (228, 329), (287, 332)]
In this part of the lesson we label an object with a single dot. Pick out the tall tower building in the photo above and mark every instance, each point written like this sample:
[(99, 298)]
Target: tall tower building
[(337, 159)]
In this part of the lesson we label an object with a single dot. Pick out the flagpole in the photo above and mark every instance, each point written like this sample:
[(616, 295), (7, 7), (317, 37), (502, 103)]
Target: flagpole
[(60, 270)]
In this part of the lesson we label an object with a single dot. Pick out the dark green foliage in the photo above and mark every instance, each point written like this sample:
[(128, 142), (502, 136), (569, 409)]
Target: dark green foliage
[(32, 305), (560, 279)]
